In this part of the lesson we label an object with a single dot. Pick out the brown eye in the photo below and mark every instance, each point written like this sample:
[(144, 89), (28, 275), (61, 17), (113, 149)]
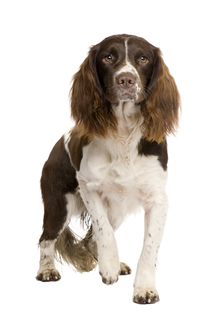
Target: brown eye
[(108, 58), (143, 59)]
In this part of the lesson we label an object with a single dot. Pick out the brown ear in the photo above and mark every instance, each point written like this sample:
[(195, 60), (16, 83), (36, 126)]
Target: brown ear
[(161, 110), (89, 108)]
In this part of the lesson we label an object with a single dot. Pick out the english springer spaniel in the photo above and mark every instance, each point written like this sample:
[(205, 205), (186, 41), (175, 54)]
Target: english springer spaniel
[(124, 102)]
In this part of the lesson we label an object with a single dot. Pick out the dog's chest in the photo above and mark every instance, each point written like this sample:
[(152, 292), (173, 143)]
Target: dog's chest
[(109, 163), (117, 171)]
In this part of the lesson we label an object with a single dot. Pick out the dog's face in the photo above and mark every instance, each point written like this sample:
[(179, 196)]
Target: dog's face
[(125, 66)]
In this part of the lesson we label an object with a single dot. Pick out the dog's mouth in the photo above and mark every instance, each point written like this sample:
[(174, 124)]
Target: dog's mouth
[(127, 96), (116, 95), (135, 96)]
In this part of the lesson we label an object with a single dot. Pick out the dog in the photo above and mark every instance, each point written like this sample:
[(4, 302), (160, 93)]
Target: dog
[(125, 103)]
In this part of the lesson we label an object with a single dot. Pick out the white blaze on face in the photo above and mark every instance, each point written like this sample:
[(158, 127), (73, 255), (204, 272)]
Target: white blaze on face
[(128, 67)]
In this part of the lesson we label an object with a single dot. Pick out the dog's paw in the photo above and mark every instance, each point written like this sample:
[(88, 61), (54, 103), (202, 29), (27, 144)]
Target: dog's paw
[(124, 269), (110, 272), (48, 275), (109, 278), (145, 295)]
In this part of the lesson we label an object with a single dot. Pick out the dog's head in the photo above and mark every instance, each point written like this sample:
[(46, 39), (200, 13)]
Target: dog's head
[(124, 68)]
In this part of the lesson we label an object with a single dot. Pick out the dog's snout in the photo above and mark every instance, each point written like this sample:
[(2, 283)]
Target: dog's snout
[(126, 80)]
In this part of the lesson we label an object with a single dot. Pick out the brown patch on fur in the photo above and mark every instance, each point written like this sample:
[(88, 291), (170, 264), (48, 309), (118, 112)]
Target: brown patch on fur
[(161, 109), (58, 178), (148, 148), (89, 108)]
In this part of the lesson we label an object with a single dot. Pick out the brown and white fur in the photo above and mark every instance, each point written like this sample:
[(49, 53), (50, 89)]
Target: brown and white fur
[(125, 103)]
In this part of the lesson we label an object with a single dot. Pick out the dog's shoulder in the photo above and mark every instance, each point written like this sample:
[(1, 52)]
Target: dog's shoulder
[(74, 143), (148, 148)]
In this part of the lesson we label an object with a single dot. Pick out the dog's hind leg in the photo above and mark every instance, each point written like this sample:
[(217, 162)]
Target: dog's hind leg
[(56, 219), (58, 178), (61, 199), (53, 226)]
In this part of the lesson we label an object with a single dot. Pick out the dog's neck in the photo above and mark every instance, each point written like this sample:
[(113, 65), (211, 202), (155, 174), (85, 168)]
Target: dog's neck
[(129, 133), (128, 116)]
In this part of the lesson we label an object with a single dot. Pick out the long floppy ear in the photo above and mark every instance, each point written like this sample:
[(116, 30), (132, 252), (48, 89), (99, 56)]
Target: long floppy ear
[(89, 108), (161, 109)]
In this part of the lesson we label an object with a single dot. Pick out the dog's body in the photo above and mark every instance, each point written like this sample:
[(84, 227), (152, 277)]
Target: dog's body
[(112, 162)]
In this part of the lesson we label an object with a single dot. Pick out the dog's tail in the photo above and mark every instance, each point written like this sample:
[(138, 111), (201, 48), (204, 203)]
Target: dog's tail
[(76, 251)]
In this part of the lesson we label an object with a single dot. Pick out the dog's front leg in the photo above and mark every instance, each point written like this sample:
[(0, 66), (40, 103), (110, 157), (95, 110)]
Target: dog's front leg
[(108, 260), (145, 288)]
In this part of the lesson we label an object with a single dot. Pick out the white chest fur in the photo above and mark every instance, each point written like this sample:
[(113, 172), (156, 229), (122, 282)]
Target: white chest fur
[(123, 178)]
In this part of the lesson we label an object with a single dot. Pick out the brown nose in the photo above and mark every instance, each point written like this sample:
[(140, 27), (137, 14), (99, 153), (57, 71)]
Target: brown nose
[(125, 80)]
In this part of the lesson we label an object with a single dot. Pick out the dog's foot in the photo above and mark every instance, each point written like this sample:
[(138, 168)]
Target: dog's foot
[(110, 271), (145, 295), (48, 275), (109, 279), (124, 269)]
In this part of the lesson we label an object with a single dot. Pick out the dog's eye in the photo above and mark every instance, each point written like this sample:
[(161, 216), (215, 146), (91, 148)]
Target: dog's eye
[(143, 59), (108, 58)]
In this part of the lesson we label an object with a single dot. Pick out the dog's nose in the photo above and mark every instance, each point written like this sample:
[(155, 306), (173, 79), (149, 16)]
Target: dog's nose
[(126, 80)]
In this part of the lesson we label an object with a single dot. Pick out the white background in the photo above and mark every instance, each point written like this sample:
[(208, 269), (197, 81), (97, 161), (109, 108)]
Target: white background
[(43, 44)]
